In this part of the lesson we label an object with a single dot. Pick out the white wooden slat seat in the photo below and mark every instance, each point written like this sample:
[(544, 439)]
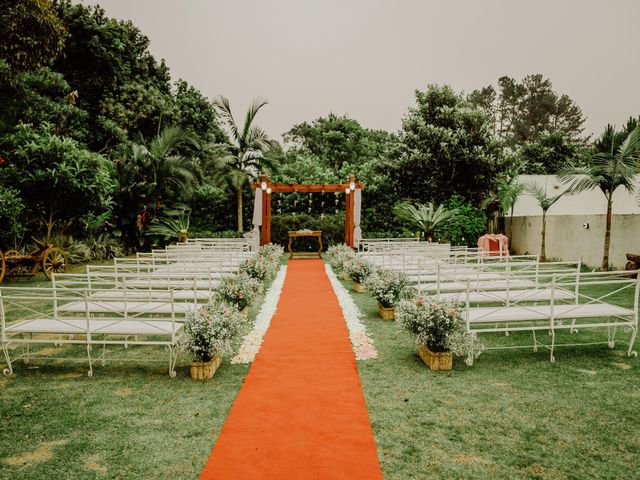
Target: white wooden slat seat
[(546, 312), (475, 285), (593, 303), (76, 326), (120, 306), (38, 316), (178, 295), (502, 296)]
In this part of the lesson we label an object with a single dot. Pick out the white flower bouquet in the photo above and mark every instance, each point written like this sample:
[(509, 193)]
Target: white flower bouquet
[(210, 330), (386, 286), (439, 326), (237, 290), (338, 255)]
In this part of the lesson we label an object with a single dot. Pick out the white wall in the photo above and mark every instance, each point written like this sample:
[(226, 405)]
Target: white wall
[(591, 202), (566, 238)]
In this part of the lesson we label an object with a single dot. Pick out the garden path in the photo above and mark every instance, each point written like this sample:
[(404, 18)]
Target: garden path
[(301, 411)]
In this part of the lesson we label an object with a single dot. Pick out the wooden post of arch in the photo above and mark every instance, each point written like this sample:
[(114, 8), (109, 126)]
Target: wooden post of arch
[(313, 188)]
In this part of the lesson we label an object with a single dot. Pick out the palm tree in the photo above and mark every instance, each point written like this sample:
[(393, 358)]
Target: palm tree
[(507, 191), (545, 202), (243, 158), (607, 171), (150, 174), (427, 217)]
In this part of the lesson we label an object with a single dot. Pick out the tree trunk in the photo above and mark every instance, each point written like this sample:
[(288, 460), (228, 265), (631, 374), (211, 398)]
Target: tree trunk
[(239, 197), (543, 254), (607, 236), (511, 227)]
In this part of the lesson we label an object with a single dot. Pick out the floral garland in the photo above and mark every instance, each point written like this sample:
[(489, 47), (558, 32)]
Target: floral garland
[(252, 341), (363, 346)]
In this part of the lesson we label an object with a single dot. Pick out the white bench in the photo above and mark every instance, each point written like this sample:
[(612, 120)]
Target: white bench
[(31, 316), (567, 304)]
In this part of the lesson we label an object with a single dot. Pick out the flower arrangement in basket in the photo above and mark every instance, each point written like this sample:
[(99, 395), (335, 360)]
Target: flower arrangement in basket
[(207, 334), (440, 331), (271, 253), (237, 290), (387, 287), (358, 270), (338, 256), (257, 267)]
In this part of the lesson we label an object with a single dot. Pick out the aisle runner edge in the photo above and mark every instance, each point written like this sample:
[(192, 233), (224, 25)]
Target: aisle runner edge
[(251, 343), (363, 346)]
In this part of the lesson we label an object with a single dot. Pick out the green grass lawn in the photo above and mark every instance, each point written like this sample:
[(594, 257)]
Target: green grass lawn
[(130, 421), (512, 415)]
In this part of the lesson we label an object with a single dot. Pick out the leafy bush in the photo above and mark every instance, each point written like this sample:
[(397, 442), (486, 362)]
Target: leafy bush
[(332, 227), (11, 209), (93, 248), (439, 326), (237, 290), (386, 286), (210, 330), (402, 233), (466, 227)]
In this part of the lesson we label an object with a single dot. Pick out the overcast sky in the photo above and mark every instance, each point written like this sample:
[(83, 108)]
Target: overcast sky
[(365, 58)]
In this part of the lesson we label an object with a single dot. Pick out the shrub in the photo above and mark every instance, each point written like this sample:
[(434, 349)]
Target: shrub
[(11, 209), (386, 286), (438, 325), (237, 290), (469, 225), (332, 227), (210, 330), (358, 269)]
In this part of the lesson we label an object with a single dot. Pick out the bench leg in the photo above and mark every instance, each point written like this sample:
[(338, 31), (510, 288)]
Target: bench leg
[(90, 372), (552, 357), (535, 340), (9, 370), (611, 336), (631, 352), (173, 358)]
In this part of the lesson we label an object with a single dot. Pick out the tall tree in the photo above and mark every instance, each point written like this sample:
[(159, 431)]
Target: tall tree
[(243, 157), (445, 146), (608, 171), (32, 34), (522, 111), (337, 141)]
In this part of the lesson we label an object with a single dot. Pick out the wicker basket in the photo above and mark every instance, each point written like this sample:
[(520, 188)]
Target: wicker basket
[(358, 287), (205, 370), (387, 313), (435, 361), (245, 312)]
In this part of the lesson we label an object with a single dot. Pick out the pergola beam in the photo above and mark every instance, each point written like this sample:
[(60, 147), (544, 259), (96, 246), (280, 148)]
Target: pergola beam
[(269, 188)]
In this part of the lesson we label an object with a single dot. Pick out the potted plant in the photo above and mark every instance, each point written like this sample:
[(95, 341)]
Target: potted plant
[(440, 331), (358, 270), (338, 256), (386, 286), (207, 335), (238, 290), (257, 267)]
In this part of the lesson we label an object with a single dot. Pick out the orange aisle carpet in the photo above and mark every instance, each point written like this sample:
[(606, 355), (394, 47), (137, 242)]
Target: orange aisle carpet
[(300, 412)]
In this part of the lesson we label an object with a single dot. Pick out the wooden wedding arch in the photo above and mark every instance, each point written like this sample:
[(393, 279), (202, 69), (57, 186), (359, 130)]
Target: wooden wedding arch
[(269, 188)]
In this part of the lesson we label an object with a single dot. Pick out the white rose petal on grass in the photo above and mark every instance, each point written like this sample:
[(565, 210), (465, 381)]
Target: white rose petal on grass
[(363, 346), (252, 341)]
